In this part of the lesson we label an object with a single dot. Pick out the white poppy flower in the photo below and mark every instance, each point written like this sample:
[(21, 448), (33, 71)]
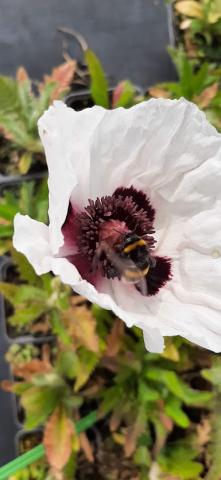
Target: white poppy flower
[(153, 171)]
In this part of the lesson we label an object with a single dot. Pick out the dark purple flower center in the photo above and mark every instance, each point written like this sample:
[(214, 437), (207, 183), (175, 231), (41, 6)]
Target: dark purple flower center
[(114, 235)]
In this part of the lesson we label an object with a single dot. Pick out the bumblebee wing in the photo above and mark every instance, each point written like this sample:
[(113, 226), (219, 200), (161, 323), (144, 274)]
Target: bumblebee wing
[(141, 286)]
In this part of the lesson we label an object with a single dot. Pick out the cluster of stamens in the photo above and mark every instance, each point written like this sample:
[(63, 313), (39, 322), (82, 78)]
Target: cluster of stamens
[(116, 213), (107, 220)]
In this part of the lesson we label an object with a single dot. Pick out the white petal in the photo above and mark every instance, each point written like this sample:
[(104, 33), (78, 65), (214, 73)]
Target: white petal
[(65, 135), (153, 340), (32, 239)]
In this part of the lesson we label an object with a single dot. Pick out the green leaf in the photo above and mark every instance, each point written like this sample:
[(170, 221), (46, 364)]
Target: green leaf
[(179, 461), (87, 362), (58, 327), (142, 456), (199, 80), (176, 386), (26, 315), (147, 394), (22, 293), (173, 410), (213, 374), (51, 379), (67, 364), (6, 231), (38, 403), (123, 94), (99, 85), (8, 94), (8, 211), (25, 269)]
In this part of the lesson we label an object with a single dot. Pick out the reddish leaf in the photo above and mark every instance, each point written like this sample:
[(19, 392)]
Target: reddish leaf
[(117, 93), (27, 370), (22, 75), (7, 385), (62, 76), (58, 436)]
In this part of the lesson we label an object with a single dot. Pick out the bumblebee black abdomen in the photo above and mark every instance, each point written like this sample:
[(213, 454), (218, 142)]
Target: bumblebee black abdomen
[(135, 250)]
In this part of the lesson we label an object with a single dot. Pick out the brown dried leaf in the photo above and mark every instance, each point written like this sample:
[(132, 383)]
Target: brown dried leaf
[(35, 366), (22, 75), (190, 47), (115, 420), (58, 435), (114, 339), (86, 447), (82, 328), (158, 92), (77, 299), (40, 327), (204, 99), (46, 353), (203, 432), (132, 434), (93, 389)]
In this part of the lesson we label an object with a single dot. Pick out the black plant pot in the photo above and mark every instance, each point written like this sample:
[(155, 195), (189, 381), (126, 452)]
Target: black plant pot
[(11, 412)]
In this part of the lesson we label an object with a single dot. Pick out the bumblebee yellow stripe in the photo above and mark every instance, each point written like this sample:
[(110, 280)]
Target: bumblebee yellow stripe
[(132, 246), (135, 274)]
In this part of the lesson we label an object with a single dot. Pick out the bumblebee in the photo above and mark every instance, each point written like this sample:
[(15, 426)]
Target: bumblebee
[(136, 258), (129, 260)]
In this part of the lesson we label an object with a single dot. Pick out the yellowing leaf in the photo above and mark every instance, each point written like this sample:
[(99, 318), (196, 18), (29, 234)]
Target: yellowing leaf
[(213, 17), (25, 162), (170, 351), (58, 437), (190, 8), (158, 92), (82, 327)]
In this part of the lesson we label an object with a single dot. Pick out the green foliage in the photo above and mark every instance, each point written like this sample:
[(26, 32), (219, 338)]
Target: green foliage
[(29, 199), (21, 106), (179, 460), (36, 471), (192, 81), (44, 299), (99, 85), (202, 22), (124, 95)]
